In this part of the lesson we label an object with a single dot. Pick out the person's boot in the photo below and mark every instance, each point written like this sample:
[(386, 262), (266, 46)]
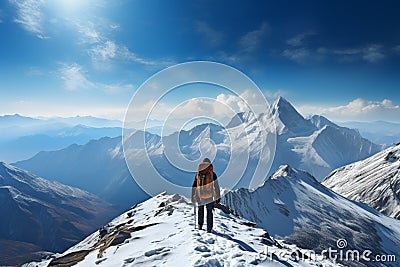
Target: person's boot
[(200, 227)]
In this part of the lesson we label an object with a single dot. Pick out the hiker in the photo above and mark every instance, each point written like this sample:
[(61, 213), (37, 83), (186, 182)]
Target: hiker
[(205, 191)]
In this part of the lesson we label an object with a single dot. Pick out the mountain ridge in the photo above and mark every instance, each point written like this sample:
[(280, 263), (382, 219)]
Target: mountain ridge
[(160, 231), (295, 207), (55, 214), (374, 181)]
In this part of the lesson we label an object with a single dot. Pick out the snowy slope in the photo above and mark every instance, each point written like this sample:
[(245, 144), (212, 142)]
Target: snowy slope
[(44, 214), (374, 181), (293, 205), (316, 145), (160, 232)]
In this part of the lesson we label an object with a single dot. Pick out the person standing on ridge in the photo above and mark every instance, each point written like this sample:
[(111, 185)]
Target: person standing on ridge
[(205, 192)]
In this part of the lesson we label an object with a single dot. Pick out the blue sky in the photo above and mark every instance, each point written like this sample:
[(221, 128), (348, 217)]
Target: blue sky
[(86, 57)]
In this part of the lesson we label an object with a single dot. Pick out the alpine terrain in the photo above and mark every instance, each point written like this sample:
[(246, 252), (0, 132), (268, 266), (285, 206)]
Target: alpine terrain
[(374, 181), (315, 145), (40, 215), (161, 232), (294, 206)]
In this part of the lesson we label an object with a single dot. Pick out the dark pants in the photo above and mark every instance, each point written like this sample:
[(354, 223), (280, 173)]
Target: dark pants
[(209, 208)]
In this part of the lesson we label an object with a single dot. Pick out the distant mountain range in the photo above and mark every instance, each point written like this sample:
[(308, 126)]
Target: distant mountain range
[(316, 145), (23, 137), (379, 132), (17, 120), (374, 181), (40, 215)]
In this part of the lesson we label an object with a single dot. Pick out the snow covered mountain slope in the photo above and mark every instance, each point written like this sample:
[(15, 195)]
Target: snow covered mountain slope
[(316, 145), (97, 167), (43, 215), (374, 181), (293, 205), (160, 232)]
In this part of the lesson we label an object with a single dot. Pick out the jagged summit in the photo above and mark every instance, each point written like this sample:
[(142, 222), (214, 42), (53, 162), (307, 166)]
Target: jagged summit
[(320, 121), (289, 120), (241, 117), (160, 232), (374, 181), (287, 172)]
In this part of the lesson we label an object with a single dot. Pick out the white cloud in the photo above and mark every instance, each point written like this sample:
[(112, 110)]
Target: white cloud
[(1, 16), (105, 53), (253, 39), (222, 107), (89, 33), (74, 78), (212, 36), (358, 109), (298, 55), (397, 49), (373, 53), (299, 39), (271, 96), (30, 16)]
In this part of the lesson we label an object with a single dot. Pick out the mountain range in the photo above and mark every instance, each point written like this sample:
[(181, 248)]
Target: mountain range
[(374, 181), (379, 132), (23, 137), (315, 145), (294, 206), (41, 215)]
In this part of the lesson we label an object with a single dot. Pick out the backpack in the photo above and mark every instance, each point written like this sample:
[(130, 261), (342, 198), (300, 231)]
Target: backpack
[(204, 180)]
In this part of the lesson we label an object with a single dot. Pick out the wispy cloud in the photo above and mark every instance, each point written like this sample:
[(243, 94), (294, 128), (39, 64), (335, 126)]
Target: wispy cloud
[(1, 16), (358, 109), (272, 95), (396, 49), (371, 53), (211, 36), (303, 54), (30, 16), (104, 53), (299, 55), (74, 78), (88, 32), (300, 49), (300, 39), (253, 39)]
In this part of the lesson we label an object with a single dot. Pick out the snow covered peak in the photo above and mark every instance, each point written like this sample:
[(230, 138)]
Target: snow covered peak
[(239, 118), (320, 121), (287, 173), (374, 181), (283, 106), (289, 120), (283, 170), (161, 232), (295, 207)]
